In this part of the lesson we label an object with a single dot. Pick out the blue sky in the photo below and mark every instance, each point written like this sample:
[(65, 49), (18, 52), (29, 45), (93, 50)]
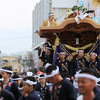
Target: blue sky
[(16, 25)]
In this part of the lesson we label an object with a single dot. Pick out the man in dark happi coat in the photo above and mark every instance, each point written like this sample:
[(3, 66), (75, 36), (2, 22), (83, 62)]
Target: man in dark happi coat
[(62, 63), (29, 88), (8, 84), (47, 56), (77, 63), (43, 88), (94, 63), (62, 89)]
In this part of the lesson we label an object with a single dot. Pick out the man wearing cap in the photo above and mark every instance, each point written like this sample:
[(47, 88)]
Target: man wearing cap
[(48, 55), (62, 63), (8, 84), (62, 89), (94, 63), (50, 21), (43, 88), (86, 80), (29, 88), (77, 63)]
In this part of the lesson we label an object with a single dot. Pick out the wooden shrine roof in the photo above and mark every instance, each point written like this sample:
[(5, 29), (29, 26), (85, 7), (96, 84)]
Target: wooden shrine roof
[(87, 32)]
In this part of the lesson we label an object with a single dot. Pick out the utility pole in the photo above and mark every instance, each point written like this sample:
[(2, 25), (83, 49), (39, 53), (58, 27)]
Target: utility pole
[(77, 2), (50, 2), (88, 4)]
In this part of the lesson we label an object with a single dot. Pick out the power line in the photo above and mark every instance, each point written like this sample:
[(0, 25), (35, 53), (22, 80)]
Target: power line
[(16, 38)]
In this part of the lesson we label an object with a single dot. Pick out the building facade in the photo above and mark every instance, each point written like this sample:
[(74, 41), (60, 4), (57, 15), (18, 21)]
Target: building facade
[(11, 61)]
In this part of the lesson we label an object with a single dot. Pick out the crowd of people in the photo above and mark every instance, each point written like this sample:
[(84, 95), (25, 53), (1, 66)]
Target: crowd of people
[(53, 84), (77, 79), (69, 67)]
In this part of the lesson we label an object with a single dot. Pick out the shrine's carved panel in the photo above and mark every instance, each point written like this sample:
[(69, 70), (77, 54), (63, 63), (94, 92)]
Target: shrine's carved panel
[(85, 37)]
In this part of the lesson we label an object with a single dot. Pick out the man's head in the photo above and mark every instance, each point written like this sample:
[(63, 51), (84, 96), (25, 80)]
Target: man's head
[(52, 74), (93, 56), (29, 84), (42, 79), (6, 72), (45, 45), (48, 49), (22, 91), (86, 80), (62, 55), (16, 79), (51, 16), (80, 53)]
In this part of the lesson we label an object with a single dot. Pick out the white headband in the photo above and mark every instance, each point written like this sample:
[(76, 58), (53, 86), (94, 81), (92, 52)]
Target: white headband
[(93, 53), (1, 79), (51, 14), (29, 73), (5, 70), (15, 79), (86, 76), (80, 50), (62, 53), (49, 48), (54, 72), (68, 78), (20, 88), (47, 64), (41, 77), (30, 82)]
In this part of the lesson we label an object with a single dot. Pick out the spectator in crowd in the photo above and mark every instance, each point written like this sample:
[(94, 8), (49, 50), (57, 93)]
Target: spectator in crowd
[(62, 89)]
